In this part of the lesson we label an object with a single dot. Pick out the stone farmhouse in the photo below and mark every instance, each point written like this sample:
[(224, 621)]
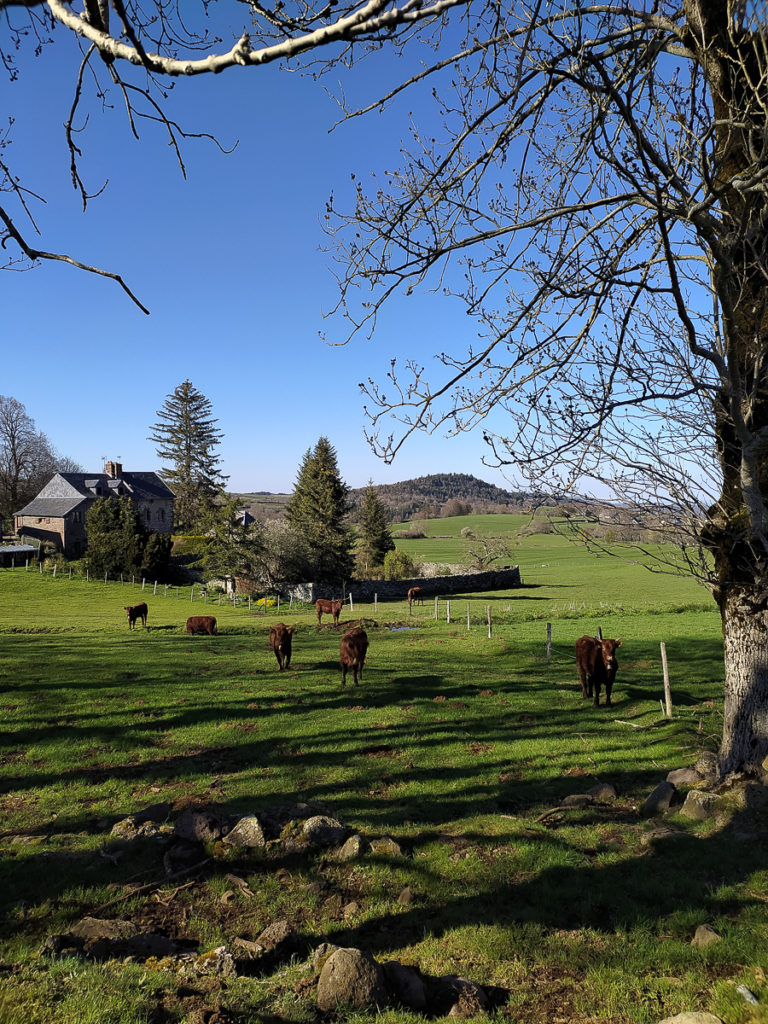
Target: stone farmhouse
[(58, 513)]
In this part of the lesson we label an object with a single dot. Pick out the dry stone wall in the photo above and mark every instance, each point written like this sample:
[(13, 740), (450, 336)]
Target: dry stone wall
[(364, 590)]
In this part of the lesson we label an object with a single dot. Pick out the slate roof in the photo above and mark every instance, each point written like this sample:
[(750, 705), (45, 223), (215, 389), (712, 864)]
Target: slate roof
[(65, 491), (51, 507)]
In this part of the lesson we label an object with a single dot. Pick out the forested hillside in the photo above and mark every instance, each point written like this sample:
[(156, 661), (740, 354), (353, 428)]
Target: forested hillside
[(424, 497)]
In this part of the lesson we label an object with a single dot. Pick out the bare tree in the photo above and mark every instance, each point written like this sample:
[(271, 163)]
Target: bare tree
[(598, 202), (27, 459), (484, 551)]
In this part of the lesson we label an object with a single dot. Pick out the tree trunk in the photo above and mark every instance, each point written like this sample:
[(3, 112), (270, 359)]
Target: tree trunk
[(745, 722)]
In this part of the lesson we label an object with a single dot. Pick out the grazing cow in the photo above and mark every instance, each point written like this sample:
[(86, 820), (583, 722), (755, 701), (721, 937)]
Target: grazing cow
[(280, 641), (201, 624), (330, 608), (415, 596), (354, 646), (136, 611), (597, 664)]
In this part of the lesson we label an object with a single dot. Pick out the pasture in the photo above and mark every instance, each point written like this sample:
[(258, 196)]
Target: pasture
[(458, 746)]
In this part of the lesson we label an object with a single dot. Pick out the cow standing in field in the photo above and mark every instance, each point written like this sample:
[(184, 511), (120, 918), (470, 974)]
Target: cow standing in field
[(136, 611), (354, 647), (597, 665), (330, 608), (415, 596), (281, 642), (201, 624)]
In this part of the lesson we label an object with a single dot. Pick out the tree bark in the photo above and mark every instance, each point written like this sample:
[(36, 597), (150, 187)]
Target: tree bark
[(745, 723)]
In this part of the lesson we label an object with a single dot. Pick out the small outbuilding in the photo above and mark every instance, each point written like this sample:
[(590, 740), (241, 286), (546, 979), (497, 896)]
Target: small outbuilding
[(16, 554)]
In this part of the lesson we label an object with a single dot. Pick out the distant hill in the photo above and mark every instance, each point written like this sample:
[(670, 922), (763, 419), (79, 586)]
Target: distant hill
[(425, 496), (422, 497)]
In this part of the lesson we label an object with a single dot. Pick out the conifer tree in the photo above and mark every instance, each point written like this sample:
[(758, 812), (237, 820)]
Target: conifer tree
[(232, 546), (187, 437), (374, 532), (119, 542), (116, 536), (317, 511)]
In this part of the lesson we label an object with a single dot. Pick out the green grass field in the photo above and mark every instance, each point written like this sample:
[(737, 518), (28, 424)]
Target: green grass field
[(456, 745)]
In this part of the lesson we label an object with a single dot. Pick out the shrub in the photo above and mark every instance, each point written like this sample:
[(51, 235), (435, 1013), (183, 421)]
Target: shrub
[(398, 565)]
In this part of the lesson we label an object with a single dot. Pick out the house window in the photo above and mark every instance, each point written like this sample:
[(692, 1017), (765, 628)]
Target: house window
[(148, 514), (162, 515), (77, 517)]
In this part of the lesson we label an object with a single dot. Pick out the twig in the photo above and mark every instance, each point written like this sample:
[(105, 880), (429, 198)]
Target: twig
[(151, 885)]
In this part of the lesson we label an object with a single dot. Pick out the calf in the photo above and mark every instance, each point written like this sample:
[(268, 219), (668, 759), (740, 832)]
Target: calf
[(330, 608), (201, 624), (354, 647), (597, 664), (136, 611), (415, 596), (280, 641)]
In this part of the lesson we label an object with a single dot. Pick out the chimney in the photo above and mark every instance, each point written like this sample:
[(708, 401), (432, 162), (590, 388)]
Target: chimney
[(113, 469)]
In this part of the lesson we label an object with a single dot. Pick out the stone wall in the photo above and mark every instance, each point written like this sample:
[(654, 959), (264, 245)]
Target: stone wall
[(397, 590)]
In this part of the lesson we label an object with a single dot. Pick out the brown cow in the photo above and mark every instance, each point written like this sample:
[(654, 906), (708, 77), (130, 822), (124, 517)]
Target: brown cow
[(201, 624), (415, 596), (354, 646), (330, 608), (280, 641), (597, 664), (136, 611)]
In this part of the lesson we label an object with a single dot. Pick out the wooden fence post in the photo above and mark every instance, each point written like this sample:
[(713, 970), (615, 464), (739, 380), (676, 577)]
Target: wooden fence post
[(436, 600), (154, 589), (448, 610), (143, 582), (467, 614), (54, 570), (351, 603), (549, 643), (105, 579), (488, 609), (665, 670), (375, 603)]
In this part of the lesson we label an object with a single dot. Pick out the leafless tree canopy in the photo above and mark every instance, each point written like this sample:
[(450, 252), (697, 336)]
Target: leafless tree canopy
[(132, 52)]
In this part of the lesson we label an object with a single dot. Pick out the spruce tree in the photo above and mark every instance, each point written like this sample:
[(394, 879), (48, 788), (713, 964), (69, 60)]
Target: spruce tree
[(317, 512), (187, 437), (374, 532)]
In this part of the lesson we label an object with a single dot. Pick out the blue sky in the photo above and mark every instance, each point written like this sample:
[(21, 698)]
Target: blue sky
[(228, 262)]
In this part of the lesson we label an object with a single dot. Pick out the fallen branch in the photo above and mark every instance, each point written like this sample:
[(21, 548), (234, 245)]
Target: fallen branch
[(151, 885)]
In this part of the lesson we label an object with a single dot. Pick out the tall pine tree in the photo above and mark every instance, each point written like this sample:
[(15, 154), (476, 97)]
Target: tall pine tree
[(317, 512), (187, 438), (375, 536)]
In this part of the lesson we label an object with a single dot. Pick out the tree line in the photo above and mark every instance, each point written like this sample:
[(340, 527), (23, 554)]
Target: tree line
[(314, 541)]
